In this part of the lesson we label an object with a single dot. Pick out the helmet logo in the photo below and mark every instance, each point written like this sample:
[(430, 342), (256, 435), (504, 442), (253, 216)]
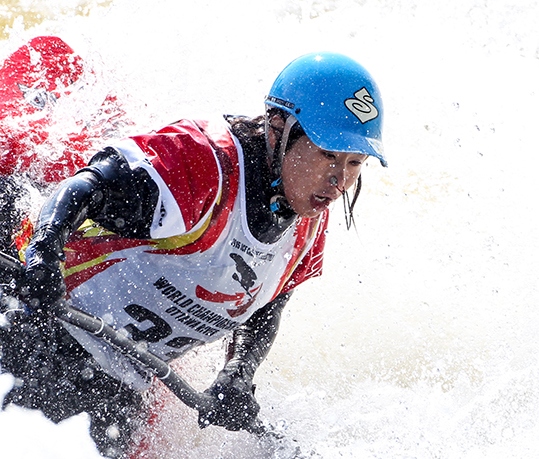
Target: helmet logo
[(362, 106)]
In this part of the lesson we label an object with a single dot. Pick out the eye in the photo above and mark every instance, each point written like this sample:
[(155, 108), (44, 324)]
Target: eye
[(328, 154), (357, 160)]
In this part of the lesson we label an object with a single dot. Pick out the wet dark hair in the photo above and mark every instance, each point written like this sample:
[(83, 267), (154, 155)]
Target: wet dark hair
[(252, 131), (249, 131)]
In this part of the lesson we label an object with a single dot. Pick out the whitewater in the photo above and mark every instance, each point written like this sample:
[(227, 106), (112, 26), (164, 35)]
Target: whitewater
[(420, 339)]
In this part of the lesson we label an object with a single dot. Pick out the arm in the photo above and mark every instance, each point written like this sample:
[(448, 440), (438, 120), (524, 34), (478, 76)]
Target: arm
[(235, 405), (109, 192), (252, 340)]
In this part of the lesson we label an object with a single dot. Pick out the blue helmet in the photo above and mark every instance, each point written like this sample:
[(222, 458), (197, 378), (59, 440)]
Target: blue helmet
[(335, 101)]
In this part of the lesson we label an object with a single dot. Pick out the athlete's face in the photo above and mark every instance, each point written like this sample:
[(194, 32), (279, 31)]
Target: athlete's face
[(314, 178)]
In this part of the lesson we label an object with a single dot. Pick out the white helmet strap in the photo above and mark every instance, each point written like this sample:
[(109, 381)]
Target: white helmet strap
[(289, 123)]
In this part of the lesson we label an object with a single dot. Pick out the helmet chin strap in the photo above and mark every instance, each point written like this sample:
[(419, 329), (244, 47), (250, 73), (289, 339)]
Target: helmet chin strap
[(278, 201), (282, 142), (289, 123)]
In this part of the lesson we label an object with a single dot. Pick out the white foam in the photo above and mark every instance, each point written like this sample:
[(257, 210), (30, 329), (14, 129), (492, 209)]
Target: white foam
[(420, 339)]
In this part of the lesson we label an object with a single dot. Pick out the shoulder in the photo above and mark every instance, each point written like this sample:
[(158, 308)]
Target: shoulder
[(175, 146), (196, 163)]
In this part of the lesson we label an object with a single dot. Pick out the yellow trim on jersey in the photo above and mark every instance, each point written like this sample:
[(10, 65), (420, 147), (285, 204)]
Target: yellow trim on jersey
[(83, 266)]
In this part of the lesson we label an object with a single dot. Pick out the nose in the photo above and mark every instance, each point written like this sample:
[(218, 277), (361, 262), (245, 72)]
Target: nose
[(338, 178)]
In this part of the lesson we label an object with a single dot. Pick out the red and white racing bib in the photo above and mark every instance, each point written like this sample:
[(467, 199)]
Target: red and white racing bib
[(190, 284)]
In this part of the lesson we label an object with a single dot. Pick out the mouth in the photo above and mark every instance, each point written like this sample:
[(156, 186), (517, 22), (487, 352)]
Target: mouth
[(320, 202), (327, 196), (322, 199)]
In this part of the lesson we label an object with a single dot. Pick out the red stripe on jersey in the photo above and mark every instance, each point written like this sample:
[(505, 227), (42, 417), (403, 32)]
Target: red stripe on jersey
[(217, 297), (184, 159), (311, 263), (86, 256), (216, 135)]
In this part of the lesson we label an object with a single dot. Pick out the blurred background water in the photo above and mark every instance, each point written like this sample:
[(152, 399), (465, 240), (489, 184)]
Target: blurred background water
[(420, 340)]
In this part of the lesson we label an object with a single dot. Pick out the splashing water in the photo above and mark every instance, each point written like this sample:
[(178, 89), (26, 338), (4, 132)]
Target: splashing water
[(420, 339)]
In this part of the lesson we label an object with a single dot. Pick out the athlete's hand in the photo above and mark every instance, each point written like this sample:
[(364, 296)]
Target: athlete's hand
[(234, 407), (42, 283)]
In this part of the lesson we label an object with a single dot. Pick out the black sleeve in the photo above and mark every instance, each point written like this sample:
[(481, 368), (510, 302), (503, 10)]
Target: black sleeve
[(129, 196), (109, 192), (252, 341)]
